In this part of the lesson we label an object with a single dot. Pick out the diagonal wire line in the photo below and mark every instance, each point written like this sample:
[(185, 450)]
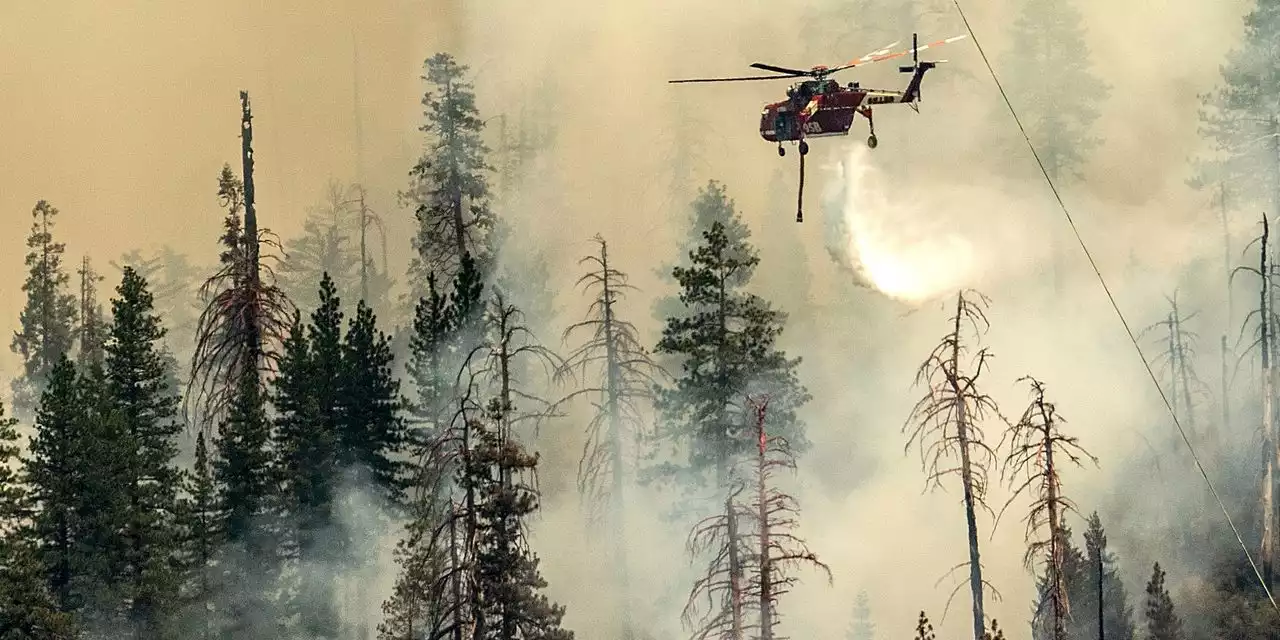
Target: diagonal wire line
[(1115, 306)]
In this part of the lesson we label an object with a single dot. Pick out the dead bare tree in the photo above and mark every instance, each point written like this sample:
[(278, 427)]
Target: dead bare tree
[(780, 550), (1265, 323), (246, 316), (507, 341), (946, 423), (436, 591), (722, 588), (1038, 448), (1176, 364), (611, 354)]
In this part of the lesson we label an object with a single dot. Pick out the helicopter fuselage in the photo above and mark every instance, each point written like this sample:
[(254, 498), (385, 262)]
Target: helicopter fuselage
[(783, 121)]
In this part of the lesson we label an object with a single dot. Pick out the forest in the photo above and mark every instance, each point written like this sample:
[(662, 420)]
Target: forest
[(498, 439)]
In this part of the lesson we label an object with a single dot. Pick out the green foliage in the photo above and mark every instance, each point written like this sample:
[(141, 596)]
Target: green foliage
[(201, 541), (506, 572), (1058, 109), (1240, 118), (711, 205), (1162, 622), (75, 472), (137, 382), (27, 609), (724, 339), (449, 186), (373, 434), (49, 317)]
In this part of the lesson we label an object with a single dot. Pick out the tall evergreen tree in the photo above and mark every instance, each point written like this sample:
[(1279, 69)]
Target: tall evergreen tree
[(506, 571), (1117, 615), (1242, 118), (75, 472), (202, 538), (1039, 452), (27, 608), (373, 433), (711, 205), (307, 401), (329, 244), (174, 283), (449, 186), (1049, 34), (1162, 622), (861, 627), (724, 339), (48, 320), (137, 381), (92, 330)]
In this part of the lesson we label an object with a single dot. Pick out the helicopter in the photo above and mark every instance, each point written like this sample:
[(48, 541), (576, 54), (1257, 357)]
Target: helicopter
[(820, 107)]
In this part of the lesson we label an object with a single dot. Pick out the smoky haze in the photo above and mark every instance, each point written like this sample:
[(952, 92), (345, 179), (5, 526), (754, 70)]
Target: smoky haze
[(122, 116)]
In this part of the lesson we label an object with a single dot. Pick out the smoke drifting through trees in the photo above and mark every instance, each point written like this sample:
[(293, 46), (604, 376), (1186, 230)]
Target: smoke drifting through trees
[(853, 343)]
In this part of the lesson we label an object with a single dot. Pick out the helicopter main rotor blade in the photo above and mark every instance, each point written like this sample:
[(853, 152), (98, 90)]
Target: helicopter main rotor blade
[(769, 67), (898, 54), (738, 79)]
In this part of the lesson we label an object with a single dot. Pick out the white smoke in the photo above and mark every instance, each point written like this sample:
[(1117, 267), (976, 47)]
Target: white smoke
[(914, 244)]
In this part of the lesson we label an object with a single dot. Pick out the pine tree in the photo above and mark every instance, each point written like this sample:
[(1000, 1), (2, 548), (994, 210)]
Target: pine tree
[(861, 628), (711, 205), (27, 608), (449, 187), (329, 244), (723, 585), (174, 283), (725, 339), (91, 332), (306, 399), (75, 472), (1049, 34), (1162, 621), (49, 317), (1071, 572), (506, 571), (373, 432), (202, 538), (776, 516), (148, 409), (1116, 613), (433, 591), (1242, 118), (248, 515), (237, 338)]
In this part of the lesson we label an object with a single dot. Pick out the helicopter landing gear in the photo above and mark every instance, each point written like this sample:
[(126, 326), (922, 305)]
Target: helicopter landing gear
[(804, 148), (872, 142)]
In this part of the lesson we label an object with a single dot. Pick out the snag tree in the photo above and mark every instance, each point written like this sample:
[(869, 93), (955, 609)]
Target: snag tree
[(1039, 448), (621, 376), (946, 423)]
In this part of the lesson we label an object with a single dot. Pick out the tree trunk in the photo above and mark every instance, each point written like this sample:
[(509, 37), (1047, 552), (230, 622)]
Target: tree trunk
[(966, 475), (612, 406), (766, 564), (1268, 415), (735, 570)]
